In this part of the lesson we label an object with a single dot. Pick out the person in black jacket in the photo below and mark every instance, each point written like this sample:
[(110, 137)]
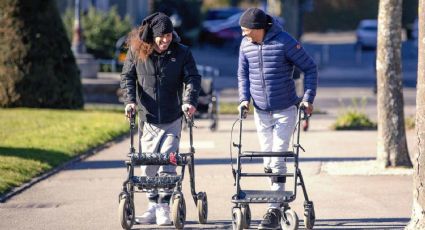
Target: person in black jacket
[(161, 78)]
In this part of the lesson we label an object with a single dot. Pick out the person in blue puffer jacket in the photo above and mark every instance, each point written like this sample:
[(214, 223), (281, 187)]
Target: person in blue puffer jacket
[(267, 58)]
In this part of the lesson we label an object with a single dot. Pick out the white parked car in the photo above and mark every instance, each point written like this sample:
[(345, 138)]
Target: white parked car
[(367, 34)]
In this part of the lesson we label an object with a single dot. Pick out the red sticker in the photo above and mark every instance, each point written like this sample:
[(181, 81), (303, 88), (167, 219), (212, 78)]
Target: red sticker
[(173, 159)]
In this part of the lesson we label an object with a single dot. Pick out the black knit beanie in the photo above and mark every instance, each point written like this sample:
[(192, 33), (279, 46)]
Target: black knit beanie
[(253, 18), (158, 25)]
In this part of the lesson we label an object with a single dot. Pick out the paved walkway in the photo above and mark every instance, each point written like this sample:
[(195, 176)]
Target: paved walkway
[(348, 191)]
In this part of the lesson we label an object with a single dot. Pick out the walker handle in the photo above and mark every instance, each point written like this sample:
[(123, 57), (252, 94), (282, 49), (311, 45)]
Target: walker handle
[(131, 117), (189, 119), (243, 112), (305, 116)]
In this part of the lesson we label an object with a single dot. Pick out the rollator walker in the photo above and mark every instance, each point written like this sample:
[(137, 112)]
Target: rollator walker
[(143, 184), (241, 212)]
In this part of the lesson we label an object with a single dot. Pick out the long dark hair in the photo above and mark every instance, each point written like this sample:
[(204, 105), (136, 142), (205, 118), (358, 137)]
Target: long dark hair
[(141, 49)]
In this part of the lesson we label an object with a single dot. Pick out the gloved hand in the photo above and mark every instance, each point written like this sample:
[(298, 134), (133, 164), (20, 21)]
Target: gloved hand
[(308, 107), (188, 109), (243, 107), (130, 109)]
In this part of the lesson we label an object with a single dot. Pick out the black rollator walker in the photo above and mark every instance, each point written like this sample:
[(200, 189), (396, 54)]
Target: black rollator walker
[(241, 213), (135, 184)]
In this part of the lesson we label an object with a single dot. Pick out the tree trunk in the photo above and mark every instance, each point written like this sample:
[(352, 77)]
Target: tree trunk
[(392, 145), (418, 211)]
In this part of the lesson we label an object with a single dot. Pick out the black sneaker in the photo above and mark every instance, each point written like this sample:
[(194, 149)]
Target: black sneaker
[(271, 220)]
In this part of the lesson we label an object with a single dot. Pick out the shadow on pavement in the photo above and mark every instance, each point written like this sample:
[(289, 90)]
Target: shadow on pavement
[(334, 224), (53, 158), (362, 223), (209, 161), (216, 224)]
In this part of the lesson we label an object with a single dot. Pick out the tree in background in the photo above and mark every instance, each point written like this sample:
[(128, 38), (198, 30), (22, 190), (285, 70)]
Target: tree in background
[(392, 144), (101, 30), (37, 67), (417, 220)]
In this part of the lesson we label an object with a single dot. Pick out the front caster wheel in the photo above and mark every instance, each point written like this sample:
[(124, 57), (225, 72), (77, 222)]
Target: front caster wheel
[(202, 205), (126, 212), (289, 220), (246, 216), (179, 212), (237, 219)]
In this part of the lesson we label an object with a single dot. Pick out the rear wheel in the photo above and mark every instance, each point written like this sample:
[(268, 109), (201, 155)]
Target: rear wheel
[(202, 205), (309, 215)]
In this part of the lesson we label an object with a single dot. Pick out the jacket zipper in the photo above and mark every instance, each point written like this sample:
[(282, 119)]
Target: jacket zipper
[(260, 55), (158, 84)]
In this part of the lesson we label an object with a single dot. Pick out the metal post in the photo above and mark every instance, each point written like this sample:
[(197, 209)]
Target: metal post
[(78, 46)]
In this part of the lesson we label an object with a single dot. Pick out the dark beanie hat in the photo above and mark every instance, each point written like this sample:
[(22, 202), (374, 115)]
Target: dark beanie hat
[(253, 18), (161, 25), (158, 25)]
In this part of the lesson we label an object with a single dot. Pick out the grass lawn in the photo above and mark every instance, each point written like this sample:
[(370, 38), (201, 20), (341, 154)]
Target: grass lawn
[(33, 141)]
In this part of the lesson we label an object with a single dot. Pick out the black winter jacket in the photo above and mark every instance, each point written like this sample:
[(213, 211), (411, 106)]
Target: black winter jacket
[(157, 84)]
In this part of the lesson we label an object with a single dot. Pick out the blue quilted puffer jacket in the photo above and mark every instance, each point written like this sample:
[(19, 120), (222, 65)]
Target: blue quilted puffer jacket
[(265, 70)]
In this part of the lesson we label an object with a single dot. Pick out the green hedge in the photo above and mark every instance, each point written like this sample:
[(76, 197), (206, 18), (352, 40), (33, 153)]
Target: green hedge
[(37, 67), (101, 30)]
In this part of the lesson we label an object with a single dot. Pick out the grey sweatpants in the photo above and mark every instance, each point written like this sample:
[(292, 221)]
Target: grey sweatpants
[(163, 138)]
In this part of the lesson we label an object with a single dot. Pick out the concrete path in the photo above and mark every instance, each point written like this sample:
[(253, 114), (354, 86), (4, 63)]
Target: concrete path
[(335, 167)]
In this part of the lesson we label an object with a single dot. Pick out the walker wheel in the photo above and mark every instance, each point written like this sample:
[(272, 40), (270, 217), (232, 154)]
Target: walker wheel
[(289, 220), (179, 211), (237, 219), (309, 215), (126, 212), (213, 126), (246, 216), (202, 205), (122, 196)]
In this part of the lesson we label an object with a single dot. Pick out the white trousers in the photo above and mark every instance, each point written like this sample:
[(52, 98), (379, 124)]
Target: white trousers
[(274, 130)]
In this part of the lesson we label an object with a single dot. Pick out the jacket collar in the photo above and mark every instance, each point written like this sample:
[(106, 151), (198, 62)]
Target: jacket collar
[(176, 37), (273, 30)]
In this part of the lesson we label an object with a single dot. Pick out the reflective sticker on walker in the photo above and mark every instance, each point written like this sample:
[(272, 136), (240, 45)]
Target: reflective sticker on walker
[(298, 46), (173, 159), (173, 59)]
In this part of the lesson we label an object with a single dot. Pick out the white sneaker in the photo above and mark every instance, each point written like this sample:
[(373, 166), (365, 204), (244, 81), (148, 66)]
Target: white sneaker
[(163, 214), (149, 216)]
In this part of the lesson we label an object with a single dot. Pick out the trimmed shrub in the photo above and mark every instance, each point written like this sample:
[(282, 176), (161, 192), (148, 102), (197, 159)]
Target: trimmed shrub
[(101, 30), (410, 122), (354, 118), (37, 67)]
